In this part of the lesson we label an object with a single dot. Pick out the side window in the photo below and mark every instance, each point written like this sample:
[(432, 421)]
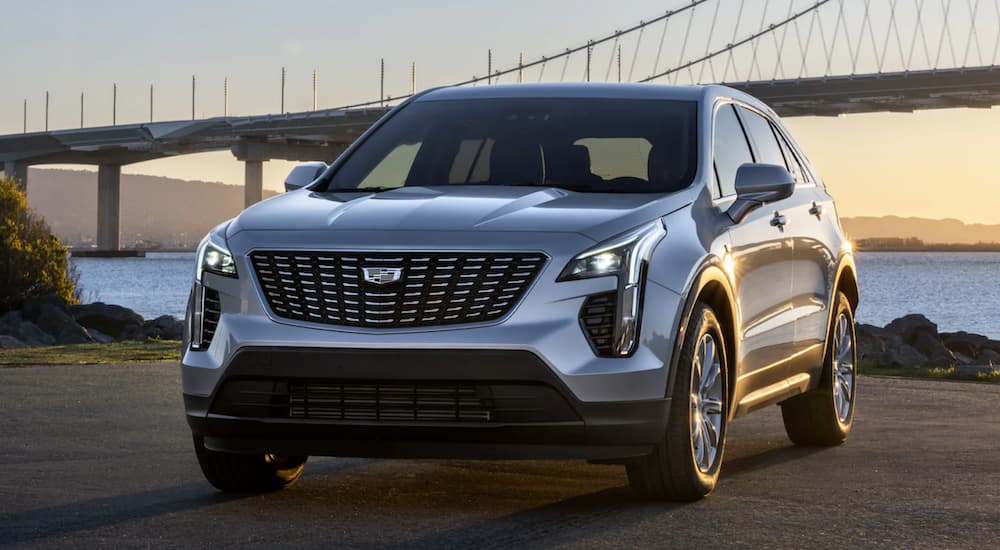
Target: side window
[(791, 160), (766, 145), (731, 149)]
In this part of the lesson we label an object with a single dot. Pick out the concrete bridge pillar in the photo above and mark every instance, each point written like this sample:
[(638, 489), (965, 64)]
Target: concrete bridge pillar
[(253, 185), (109, 206), (18, 171)]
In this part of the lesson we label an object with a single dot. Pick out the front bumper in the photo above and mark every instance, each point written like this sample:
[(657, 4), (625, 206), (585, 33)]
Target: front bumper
[(618, 404), (552, 424)]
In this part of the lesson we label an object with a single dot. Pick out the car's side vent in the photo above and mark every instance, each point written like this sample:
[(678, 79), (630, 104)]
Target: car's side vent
[(213, 309), (597, 316)]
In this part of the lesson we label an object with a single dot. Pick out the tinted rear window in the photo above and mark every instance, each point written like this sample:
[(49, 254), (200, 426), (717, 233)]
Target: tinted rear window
[(601, 145)]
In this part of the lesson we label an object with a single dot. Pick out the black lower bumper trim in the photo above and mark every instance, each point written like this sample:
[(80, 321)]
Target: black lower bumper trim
[(593, 430)]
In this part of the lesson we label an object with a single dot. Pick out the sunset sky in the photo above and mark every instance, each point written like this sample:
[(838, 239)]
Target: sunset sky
[(932, 164)]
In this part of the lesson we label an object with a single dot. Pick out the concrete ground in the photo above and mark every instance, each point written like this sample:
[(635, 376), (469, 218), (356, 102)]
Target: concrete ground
[(101, 456)]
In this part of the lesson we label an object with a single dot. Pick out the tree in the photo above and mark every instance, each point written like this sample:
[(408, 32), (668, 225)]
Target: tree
[(32, 260)]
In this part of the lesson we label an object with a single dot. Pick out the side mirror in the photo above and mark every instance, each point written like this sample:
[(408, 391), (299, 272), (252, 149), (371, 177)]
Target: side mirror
[(757, 185), (304, 174)]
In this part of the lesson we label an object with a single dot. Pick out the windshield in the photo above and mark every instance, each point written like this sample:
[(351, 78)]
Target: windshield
[(597, 145)]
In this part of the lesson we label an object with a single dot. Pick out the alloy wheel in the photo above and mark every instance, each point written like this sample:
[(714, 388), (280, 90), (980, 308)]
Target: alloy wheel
[(706, 403), (843, 368)]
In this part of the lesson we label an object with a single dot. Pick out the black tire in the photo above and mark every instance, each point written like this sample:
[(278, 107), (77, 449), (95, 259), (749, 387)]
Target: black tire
[(813, 419), (244, 473), (671, 471)]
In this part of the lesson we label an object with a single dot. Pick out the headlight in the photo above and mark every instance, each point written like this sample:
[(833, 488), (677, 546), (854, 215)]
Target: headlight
[(214, 255), (623, 256)]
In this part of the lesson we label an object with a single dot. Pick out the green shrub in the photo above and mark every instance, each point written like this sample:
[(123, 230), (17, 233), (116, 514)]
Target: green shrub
[(32, 260)]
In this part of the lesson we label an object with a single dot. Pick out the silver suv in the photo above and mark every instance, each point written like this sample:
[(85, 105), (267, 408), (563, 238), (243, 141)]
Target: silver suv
[(607, 272)]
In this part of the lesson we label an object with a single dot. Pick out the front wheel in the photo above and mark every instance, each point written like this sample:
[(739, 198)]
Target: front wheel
[(685, 465), (824, 417), (246, 473)]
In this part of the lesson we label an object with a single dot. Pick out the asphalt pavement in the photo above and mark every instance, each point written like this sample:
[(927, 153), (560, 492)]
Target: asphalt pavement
[(100, 456)]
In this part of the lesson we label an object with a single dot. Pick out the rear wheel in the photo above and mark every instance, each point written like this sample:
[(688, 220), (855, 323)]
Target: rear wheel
[(823, 417), (685, 465), (245, 473)]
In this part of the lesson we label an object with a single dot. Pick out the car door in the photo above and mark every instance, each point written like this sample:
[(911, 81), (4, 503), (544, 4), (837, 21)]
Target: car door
[(806, 302), (763, 258), (816, 250)]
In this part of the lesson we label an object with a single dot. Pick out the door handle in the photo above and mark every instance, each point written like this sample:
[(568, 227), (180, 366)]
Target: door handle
[(779, 221), (816, 210)]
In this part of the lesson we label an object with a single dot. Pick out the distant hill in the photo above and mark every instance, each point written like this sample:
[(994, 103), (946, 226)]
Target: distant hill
[(949, 231), (173, 213), (155, 211)]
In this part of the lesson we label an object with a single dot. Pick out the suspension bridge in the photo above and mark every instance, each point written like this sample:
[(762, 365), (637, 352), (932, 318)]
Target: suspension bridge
[(802, 57)]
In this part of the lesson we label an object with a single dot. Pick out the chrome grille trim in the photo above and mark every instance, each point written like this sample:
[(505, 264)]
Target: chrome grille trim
[(434, 288)]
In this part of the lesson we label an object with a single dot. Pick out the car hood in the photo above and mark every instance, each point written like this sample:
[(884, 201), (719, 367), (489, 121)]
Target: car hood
[(459, 208)]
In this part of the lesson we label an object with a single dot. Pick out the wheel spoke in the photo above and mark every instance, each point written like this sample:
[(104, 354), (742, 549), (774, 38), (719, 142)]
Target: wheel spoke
[(711, 432), (711, 405)]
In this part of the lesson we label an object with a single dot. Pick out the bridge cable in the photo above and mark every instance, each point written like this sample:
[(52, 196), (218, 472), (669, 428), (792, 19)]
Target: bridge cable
[(833, 43), (611, 59), (659, 51), (996, 47), (871, 35), (974, 11), (591, 43), (687, 35), (779, 48), (635, 54), (745, 40), (804, 49), (562, 75), (708, 45), (730, 61), (919, 30), (946, 5), (754, 62)]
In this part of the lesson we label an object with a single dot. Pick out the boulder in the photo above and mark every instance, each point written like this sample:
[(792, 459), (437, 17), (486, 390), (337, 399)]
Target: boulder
[(58, 323), (988, 357), (164, 327), (36, 306), (931, 347), (901, 356), (9, 342), (115, 321), (911, 325), (871, 340), (975, 371), (100, 337), (30, 334), (968, 344), (10, 323)]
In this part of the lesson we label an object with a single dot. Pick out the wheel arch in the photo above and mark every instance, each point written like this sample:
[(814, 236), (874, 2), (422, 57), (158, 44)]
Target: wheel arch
[(712, 287)]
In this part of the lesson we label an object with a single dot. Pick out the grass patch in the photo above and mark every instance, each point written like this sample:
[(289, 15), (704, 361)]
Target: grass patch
[(93, 354), (935, 373)]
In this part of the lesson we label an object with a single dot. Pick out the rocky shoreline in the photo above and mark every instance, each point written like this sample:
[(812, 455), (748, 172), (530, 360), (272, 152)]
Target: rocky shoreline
[(913, 341), (50, 321)]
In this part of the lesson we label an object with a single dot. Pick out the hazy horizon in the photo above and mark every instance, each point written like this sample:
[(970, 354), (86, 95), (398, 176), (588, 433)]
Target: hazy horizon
[(874, 164)]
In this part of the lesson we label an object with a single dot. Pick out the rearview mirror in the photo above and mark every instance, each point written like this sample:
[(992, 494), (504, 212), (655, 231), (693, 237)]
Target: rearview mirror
[(304, 174), (757, 185)]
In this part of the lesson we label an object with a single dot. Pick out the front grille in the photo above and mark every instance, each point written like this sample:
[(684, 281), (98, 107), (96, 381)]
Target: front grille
[(598, 317), (432, 289), (374, 401), (210, 318)]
